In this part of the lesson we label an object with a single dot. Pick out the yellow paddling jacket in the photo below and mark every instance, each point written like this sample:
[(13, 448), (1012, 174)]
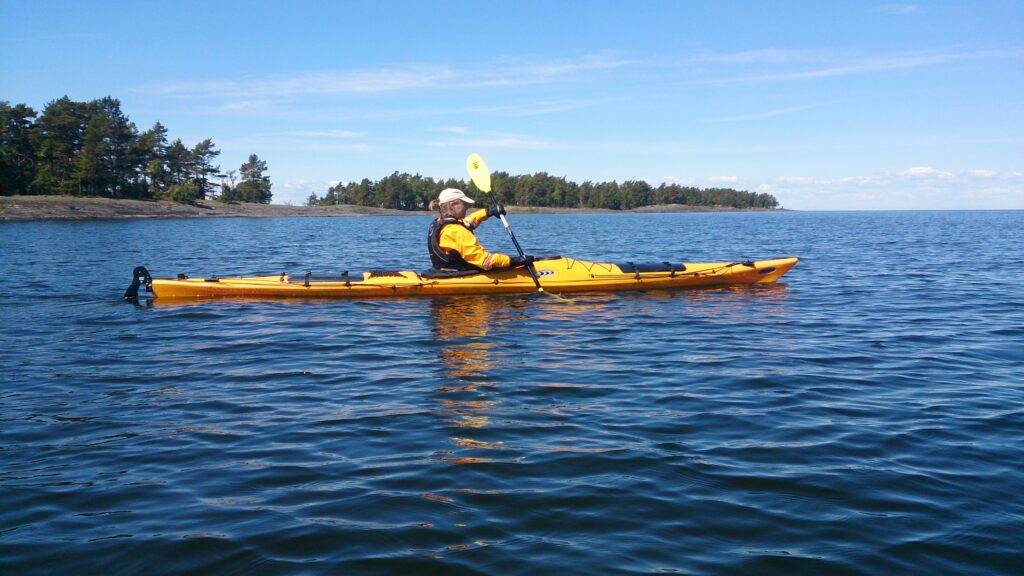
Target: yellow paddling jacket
[(453, 246)]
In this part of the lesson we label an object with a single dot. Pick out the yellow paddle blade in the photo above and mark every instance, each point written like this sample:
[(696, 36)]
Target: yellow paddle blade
[(478, 172)]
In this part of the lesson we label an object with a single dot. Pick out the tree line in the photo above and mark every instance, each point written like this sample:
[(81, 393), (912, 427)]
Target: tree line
[(414, 192), (93, 149)]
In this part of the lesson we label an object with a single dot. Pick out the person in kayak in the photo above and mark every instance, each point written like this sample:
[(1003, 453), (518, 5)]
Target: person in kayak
[(451, 242)]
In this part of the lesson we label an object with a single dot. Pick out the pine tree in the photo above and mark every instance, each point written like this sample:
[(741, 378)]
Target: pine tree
[(202, 167), (150, 154), (57, 139), (17, 155), (254, 187)]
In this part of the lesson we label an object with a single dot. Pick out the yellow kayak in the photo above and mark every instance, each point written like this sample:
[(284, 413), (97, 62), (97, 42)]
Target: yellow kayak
[(557, 275)]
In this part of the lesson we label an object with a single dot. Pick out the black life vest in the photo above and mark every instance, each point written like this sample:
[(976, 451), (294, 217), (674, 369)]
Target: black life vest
[(440, 258)]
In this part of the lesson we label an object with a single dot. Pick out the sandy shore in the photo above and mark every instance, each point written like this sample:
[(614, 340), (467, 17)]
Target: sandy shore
[(72, 208)]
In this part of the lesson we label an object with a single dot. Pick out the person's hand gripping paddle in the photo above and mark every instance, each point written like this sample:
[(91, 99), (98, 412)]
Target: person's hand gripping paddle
[(481, 177)]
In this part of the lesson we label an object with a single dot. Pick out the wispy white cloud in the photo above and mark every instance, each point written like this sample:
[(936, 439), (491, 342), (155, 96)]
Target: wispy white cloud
[(541, 108), (246, 105), (455, 129), (915, 187), (761, 56), (869, 66), (873, 65), (852, 180), (511, 73), (302, 184), (898, 9), (314, 83), (496, 141), (387, 79), (981, 173), (805, 180), (334, 147), (326, 133), (925, 172), (586, 63), (523, 108), (296, 191), (765, 114)]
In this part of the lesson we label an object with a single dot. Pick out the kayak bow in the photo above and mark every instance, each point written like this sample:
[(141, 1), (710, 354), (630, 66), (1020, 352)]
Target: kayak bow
[(559, 275)]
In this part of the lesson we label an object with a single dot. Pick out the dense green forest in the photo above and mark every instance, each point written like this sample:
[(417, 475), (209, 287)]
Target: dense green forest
[(93, 149), (413, 192)]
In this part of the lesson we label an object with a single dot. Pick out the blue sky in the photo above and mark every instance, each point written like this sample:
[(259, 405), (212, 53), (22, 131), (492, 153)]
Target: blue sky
[(826, 105)]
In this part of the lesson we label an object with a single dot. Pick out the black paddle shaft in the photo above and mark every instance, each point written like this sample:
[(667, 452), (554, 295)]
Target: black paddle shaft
[(529, 267)]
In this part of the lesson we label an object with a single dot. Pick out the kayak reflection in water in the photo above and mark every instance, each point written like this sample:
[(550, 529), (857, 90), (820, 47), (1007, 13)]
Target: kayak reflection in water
[(452, 245), (461, 329), (468, 397)]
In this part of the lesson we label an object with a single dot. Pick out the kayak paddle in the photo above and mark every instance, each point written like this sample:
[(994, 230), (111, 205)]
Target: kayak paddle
[(481, 177)]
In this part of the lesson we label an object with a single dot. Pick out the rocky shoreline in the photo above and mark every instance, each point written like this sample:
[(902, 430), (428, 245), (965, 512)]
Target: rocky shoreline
[(75, 208)]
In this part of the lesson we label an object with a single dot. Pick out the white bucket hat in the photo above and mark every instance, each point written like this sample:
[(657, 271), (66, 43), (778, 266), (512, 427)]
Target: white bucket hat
[(449, 194)]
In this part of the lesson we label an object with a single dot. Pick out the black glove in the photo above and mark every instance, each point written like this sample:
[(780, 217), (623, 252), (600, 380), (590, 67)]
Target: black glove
[(496, 210), (521, 261)]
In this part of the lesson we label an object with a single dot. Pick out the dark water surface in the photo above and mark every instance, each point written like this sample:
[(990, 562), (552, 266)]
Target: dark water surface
[(865, 416)]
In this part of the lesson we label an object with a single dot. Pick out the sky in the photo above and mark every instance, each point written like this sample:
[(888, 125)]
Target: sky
[(826, 105)]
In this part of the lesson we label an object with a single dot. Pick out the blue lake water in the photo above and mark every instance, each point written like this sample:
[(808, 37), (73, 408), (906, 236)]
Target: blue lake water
[(863, 416)]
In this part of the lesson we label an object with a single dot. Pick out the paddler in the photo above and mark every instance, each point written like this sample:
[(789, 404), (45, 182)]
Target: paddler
[(451, 242)]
